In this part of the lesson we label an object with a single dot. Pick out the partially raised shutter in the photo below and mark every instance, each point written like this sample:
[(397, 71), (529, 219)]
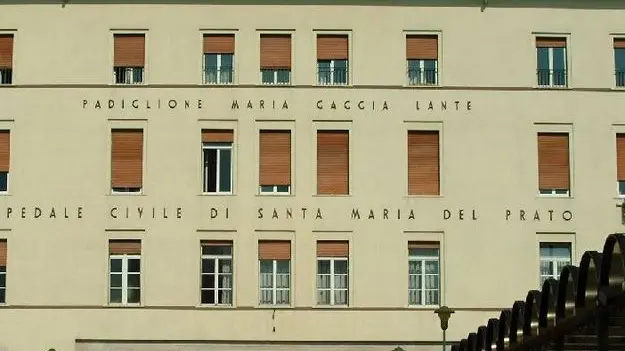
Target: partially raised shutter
[(422, 47), (423, 245), (333, 162), (6, 50), (275, 157), (553, 160), (123, 246), (550, 42), (5, 150), (332, 47), (219, 43), (275, 51), (423, 162), (620, 157), (129, 50), (274, 250), (3, 253), (332, 248), (126, 158), (217, 135), (619, 43)]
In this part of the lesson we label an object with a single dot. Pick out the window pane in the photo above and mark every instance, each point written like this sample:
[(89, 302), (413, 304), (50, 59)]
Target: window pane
[(225, 281), (208, 281), (116, 295), (283, 281), (266, 266), (134, 265), (210, 170), (226, 61), (210, 60), (283, 188), (542, 58), (414, 267), (2, 295), (267, 76), (266, 280), (323, 281), (266, 297), (323, 266), (266, 188), (340, 297), (225, 266), (283, 297), (116, 281), (134, 295), (225, 166), (4, 180), (323, 297), (3, 282), (225, 250), (116, 265), (134, 280), (340, 281), (208, 296), (340, 267), (413, 298), (208, 265), (423, 252), (283, 266), (284, 76), (225, 297), (431, 267)]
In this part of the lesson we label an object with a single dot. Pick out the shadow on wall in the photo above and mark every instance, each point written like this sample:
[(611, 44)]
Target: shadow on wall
[(481, 4)]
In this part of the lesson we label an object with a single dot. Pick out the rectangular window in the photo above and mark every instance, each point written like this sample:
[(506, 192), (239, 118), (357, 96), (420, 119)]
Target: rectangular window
[(423, 162), (275, 58), (126, 160), (125, 272), (332, 59), (553, 257), (217, 161), (620, 163), (333, 162), (129, 58), (333, 273), (422, 59), (619, 61), (6, 58), (275, 161), (218, 58), (553, 164), (551, 62), (217, 273), (5, 156), (3, 270), (423, 273), (274, 260)]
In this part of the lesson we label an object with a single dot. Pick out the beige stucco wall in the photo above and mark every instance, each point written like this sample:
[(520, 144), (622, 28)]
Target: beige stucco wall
[(60, 156)]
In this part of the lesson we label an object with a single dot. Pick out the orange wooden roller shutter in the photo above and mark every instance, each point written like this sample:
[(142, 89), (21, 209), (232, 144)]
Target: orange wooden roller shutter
[(274, 250), (332, 162), (6, 50), (5, 150), (129, 50), (619, 43), (550, 42), (3, 253), (423, 163), (332, 47), (275, 51), (553, 160), (620, 157), (422, 47), (332, 248), (423, 245), (128, 247), (217, 135), (219, 43), (127, 158), (275, 157), (216, 243)]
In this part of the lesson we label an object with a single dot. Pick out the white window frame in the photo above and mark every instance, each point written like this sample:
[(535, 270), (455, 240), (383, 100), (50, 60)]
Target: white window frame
[(217, 275), (274, 191), (618, 188), (124, 272), (423, 260), (566, 69), (554, 260), (218, 147), (128, 75), (331, 82), (4, 287), (8, 183), (332, 288), (423, 80), (274, 277), (275, 77), (218, 75), (553, 193)]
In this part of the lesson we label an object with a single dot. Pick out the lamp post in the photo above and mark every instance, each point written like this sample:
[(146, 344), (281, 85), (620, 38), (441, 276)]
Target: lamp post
[(444, 313)]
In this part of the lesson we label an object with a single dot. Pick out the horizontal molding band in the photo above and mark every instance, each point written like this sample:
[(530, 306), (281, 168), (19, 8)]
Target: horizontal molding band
[(246, 308), (262, 342), (289, 87)]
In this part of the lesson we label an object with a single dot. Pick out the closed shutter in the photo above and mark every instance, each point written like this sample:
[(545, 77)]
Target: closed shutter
[(332, 47), (129, 50), (423, 245), (332, 248), (226, 243), (128, 247), (5, 150), (219, 43), (3, 253), (274, 250), (333, 162), (217, 135), (422, 47), (620, 157), (126, 158), (423, 163), (553, 160), (6, 50), (549, 42), (275, 157), (619, 43), (275, 51)]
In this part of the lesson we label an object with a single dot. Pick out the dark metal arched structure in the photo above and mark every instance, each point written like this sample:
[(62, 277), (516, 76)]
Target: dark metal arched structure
[(578, 291)]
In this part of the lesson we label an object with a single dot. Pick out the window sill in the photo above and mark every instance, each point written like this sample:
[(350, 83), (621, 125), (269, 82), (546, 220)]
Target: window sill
[(274, 307), (129, 84), (544, 196), (422, 86), (125, 194), (215, 307), (275, 85), (216, 194), (548, 87), (332, 195), (423, 307), (5, 193), (423, 196), (275, 195), (121, 305), (331, 307), (616, 88), (334, 85)]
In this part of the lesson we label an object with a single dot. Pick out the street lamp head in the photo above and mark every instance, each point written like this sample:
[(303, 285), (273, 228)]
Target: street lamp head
[(444, 313)]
